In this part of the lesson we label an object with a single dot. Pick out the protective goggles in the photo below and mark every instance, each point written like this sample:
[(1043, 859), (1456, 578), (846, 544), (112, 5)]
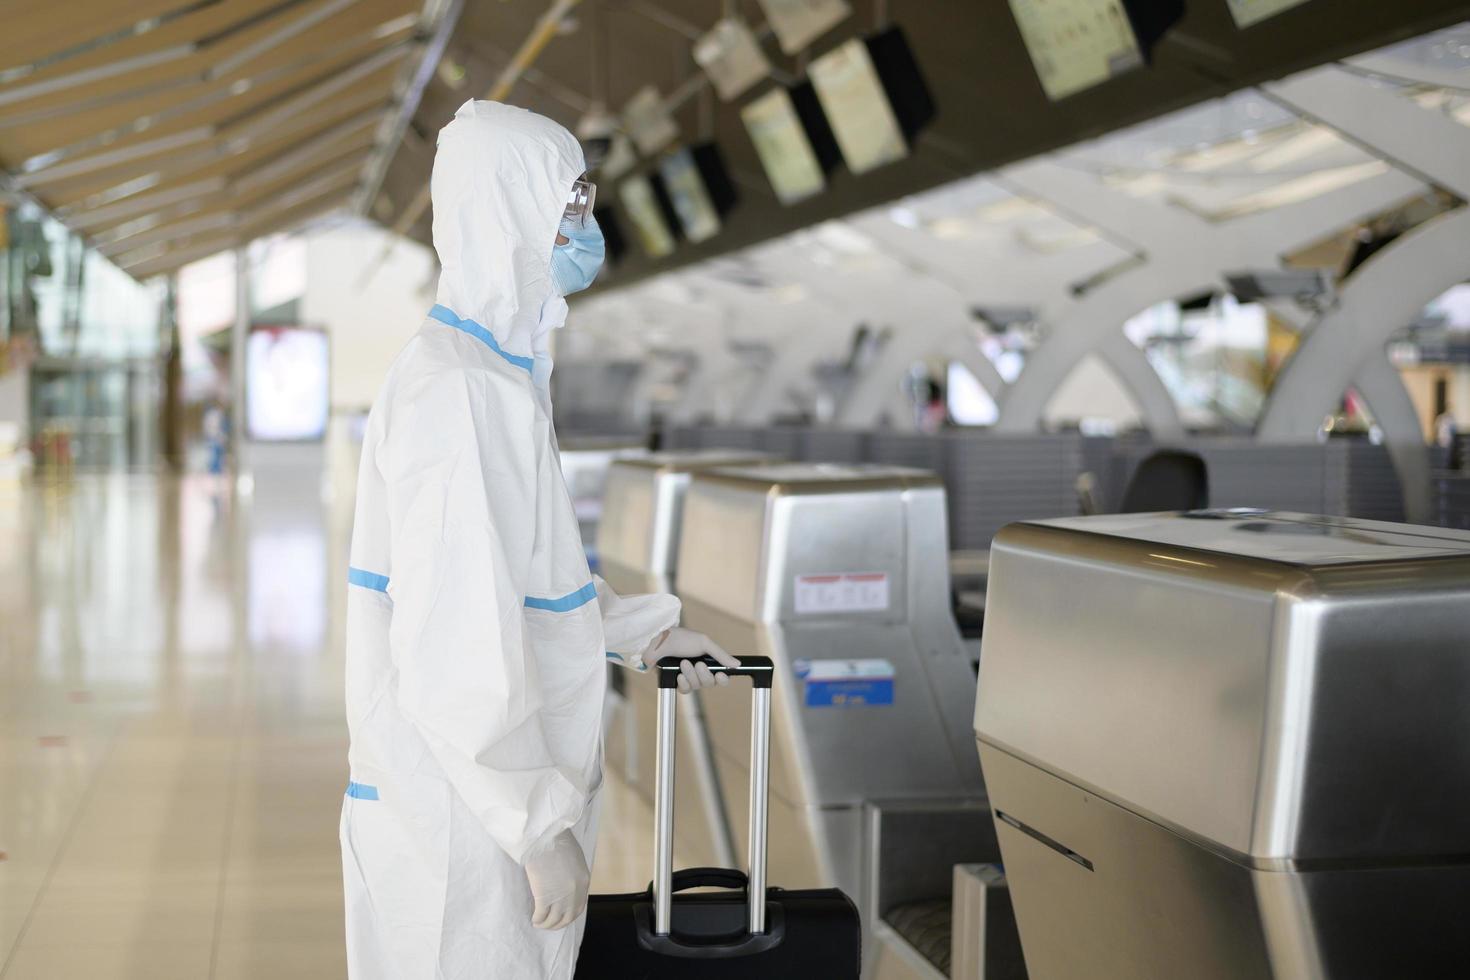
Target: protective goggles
[(580, 201)]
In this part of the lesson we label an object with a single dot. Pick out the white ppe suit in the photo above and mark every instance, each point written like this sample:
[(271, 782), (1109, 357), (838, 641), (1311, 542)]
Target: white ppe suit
[(476, 636)]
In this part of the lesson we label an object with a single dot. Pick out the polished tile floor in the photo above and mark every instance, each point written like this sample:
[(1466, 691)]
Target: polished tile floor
[(172, 749)]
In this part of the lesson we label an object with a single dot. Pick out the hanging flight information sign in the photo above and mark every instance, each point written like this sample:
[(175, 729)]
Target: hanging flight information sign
[(689, 196), (646, 214), (781, 142), (1248, 12), (1076, 44), (857, 107), (648, 121), (731, 57), (797, 23)]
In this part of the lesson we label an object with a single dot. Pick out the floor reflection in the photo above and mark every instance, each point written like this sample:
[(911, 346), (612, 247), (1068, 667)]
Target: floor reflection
[(172, 750)]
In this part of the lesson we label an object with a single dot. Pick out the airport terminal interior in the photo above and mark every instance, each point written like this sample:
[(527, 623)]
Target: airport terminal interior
[(1062, 405)]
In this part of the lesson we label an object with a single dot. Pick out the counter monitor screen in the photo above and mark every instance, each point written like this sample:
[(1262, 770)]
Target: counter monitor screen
[(1076, 44), (857, 107), (643, 210), (1248, 12), (781, 143), (689, 196)]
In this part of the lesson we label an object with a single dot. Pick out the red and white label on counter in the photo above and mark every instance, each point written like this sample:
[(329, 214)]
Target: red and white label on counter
[(842, 592)]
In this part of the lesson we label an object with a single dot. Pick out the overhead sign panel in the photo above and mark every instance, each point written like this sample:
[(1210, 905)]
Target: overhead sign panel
[(797, 23), (646, 214), (1248, 12), (732, 58), (781, 142), (857, 107), (1076, 44), (689, 196), (648, 121)]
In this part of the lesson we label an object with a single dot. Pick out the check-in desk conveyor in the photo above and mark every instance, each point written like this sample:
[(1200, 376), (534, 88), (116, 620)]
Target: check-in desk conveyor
[(1231, 745), (839, 574)]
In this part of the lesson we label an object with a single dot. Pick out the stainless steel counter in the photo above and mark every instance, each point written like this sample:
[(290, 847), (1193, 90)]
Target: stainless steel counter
[(1230, 744)]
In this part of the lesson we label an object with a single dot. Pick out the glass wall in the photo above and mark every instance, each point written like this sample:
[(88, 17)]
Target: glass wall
[(91, 339), (1212, 355)]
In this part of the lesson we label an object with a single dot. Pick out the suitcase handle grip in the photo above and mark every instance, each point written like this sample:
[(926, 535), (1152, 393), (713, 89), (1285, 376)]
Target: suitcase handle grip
[(761, 672), (731, 878), (758, 669)]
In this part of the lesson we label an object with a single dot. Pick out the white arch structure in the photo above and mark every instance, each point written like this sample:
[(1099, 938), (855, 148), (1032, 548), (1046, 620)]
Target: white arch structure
[(1346, 344), (1184, 254), (976, 276)]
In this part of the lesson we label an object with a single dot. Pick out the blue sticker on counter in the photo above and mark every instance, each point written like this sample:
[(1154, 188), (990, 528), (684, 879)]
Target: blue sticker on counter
[(847, 683)]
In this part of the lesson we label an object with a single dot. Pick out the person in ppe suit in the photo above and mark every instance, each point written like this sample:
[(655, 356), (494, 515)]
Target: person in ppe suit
[(476, 635)]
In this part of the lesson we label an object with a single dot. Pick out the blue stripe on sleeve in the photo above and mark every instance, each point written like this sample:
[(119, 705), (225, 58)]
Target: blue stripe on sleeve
[(566, 603), (368, 580), (449, 318)]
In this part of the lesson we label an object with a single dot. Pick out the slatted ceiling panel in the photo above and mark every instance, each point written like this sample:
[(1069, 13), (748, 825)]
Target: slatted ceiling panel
[(334, 173), (106, 111), (37, 29), (74, 197), (151, 85), (247, 188), (184, 31), (288, 216), (257, 111), (269, 214), (77, 134), (365, 22), (240, 195), (165, 162), (297, 122)]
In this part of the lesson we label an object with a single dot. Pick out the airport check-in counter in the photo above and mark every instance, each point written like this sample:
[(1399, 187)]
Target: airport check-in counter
[(638, 544), (839, 574), (585, 461), (1229, 745)]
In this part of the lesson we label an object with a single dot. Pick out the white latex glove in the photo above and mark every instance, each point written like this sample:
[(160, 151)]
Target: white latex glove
[(559, 881), (679, 642)]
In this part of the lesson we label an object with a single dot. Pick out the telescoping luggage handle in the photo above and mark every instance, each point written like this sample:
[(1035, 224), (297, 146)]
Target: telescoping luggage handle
[(760, 671)]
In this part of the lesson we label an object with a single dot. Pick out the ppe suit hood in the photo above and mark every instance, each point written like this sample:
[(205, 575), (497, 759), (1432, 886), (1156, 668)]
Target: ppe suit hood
[(500, 183)]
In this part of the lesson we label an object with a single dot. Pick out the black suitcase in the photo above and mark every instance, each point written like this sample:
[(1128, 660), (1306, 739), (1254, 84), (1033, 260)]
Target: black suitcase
[(659, 933)]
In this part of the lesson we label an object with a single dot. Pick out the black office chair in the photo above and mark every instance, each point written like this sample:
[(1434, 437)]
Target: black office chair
[(1170, 479)]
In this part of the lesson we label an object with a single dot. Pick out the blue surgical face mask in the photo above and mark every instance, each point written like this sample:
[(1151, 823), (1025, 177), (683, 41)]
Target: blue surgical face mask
[(575, 264)]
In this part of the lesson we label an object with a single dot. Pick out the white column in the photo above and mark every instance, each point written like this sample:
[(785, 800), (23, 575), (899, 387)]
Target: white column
[(238, 333)]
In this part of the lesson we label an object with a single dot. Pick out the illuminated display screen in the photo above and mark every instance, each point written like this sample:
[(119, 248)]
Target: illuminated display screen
[(732, 58), (647, 120), (797, 23), (689, 196), (781, 143), (1248, 12), (647, 217), (1076, 44), (286, 384), (857, 107)]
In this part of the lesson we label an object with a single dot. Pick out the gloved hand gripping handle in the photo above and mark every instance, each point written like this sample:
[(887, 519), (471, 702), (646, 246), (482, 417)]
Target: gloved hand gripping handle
[(761, 672), (759, 669)]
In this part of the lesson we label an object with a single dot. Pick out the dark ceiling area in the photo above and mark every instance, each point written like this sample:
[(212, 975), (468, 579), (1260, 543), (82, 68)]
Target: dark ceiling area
[(991, 107)]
